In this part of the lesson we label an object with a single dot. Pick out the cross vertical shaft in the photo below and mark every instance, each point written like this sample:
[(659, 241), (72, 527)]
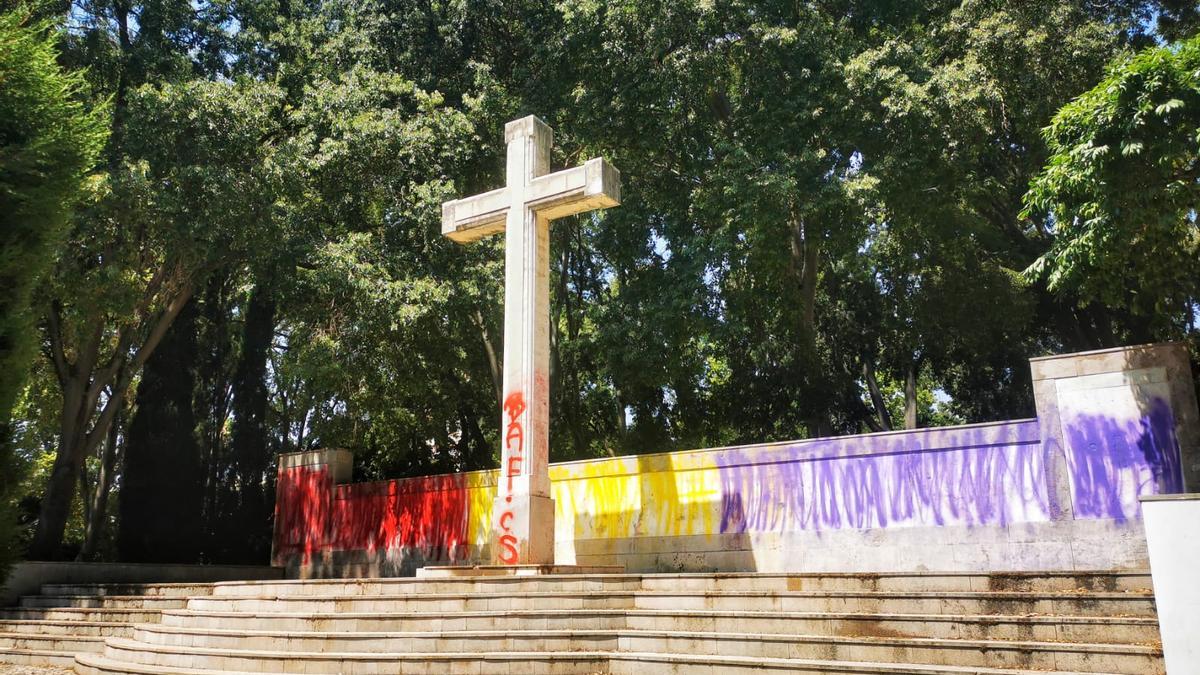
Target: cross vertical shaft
[(523, 512)]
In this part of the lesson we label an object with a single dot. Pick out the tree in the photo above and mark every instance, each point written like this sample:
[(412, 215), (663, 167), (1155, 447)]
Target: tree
[(1121, 188), (186, 173), (49, 141), (161, 488), (953, 99)]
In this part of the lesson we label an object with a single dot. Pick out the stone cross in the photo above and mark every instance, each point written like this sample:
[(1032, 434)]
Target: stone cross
[(523, 513)]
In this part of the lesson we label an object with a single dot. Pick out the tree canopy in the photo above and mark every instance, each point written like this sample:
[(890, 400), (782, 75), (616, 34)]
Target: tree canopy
[(49, 141), (829, 211), (1122, 186)]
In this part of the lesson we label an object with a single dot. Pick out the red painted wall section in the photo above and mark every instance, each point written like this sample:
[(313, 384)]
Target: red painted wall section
[(426, 515), (304, 497)]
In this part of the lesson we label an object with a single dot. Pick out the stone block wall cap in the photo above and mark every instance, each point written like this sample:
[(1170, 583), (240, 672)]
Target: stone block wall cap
[(1110, 350), (528, 126), (1183, 497)]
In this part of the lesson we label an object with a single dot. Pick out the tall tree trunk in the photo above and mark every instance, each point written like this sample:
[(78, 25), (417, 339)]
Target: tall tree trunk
[(802, 265), (910, 395), (162, 487), (493, 360), (881, 412), (98, 511), (61, 484), (82, 383)]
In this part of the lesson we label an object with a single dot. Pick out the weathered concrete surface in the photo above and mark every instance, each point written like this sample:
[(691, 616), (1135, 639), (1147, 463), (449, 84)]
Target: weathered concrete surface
[(523, 512), (27, 578)]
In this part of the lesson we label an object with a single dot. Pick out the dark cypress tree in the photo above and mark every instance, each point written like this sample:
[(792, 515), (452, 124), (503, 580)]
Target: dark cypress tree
[(247, 511), (162, 485)]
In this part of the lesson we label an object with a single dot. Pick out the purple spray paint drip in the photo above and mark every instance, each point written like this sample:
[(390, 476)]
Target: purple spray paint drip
[(971, 477), (1113, 461)]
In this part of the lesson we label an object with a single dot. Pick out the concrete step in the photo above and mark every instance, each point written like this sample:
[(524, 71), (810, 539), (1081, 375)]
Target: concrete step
[(1103, 629), (1015, 654), (36, 657), (67, 644), (158, 590), (107, 614), (689, 664), (1028, 582), (1131, 603), (93, 628), (165, 658), (106, 601), (98, 664), (116, 661)]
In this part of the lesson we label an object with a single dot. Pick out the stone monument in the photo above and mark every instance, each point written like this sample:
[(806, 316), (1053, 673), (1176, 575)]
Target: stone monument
[(523, 516)]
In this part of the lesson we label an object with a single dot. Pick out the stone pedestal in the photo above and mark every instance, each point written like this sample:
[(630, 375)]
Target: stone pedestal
[(1173, 537), (531, 517), (1117, 424)]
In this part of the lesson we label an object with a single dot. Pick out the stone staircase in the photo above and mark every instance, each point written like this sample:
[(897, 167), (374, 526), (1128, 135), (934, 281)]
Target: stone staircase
[(49, 629), (620, 624)]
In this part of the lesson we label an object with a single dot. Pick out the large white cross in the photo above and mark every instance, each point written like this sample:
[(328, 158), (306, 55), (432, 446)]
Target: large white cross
[(523, 514)]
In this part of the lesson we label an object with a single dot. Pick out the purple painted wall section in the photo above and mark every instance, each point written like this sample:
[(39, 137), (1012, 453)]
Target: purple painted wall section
[(973, 476), (1112, 461)]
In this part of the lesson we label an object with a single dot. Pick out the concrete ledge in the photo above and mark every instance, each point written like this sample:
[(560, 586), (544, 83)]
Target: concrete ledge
[(27, 578)]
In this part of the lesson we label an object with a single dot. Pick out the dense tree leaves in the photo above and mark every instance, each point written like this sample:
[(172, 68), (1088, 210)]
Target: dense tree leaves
[(1122, 188), (49, 140), (822, 226)]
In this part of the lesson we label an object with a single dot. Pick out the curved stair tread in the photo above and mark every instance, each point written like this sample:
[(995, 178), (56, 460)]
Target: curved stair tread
[(949, 643), (95, 664), (84, 623), (57, 636), (637, 576), (862, 667), (7, 612), (734, 593), (37, 656), (725, 613), (98, 663)]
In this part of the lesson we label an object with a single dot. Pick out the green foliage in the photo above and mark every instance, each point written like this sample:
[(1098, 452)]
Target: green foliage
[(48, 142), (1122, 187), (818, 198)]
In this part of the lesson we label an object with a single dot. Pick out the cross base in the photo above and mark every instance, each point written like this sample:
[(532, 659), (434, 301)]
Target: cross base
[(469, 571), (525, 530)]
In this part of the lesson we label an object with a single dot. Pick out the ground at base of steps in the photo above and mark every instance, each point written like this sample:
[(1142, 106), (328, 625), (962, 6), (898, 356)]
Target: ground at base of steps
[(8, 669)]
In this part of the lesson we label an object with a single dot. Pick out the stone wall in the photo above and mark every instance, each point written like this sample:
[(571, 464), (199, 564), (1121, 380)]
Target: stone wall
[(1057, 492)]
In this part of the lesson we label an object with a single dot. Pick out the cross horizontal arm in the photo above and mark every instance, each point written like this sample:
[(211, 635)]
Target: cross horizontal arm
[(465, 220), (595, 185)]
